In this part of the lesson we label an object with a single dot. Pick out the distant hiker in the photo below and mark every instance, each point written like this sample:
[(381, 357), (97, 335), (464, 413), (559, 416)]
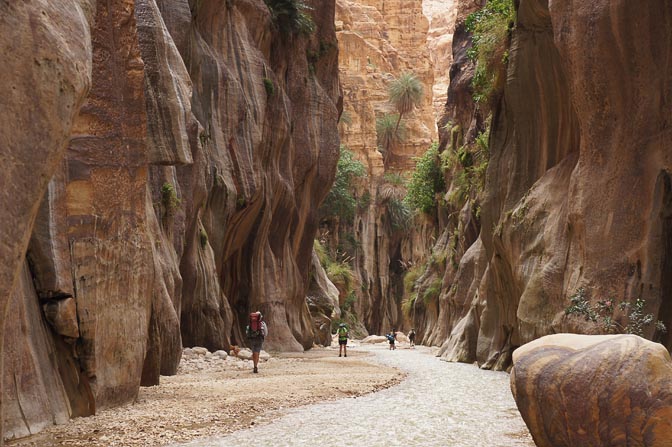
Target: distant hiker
[(343, 336), (411, 337), (392, 337), (256, 331)]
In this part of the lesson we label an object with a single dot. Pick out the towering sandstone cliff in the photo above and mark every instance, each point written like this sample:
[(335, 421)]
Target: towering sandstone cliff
[(163, 161), (578, 184), (378, 41), (441, 15)]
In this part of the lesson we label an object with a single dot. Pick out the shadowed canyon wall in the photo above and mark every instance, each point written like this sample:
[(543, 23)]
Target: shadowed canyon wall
[(165, 161), (577, 190)]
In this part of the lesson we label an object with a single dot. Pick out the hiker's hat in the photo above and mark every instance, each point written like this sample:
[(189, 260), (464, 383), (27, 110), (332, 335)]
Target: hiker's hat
[(341, 325)]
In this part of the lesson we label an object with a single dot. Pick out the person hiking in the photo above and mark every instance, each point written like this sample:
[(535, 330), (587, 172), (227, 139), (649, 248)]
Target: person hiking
[(411, 338), (256, 331), (343, 336), (392, 337)]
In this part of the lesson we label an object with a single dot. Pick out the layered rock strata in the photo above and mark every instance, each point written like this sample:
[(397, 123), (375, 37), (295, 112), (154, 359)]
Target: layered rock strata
[(577, 191), (594, 390), (184, 200)]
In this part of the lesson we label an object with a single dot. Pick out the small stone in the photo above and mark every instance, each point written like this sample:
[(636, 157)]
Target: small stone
[(245, 354), (221, 354)]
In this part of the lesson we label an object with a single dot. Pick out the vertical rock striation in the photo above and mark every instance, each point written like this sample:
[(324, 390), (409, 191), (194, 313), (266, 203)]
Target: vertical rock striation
[(185, 199), (577, 191), (442, 16)]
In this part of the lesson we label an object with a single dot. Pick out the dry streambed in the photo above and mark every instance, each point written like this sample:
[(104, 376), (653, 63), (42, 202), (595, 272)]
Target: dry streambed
[(212, 396)]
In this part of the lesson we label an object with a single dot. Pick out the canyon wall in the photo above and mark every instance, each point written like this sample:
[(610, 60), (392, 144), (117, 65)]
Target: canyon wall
[(165, 161), (577, 194), (378, 41), (441, 15)]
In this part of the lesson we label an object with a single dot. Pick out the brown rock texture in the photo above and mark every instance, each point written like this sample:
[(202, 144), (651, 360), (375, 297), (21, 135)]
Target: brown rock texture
[(594, 390), (378, 40), (578, 189), (442, 15), (185, 199)]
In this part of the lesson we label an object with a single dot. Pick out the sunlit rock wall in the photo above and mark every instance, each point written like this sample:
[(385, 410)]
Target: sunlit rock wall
[(441, 15), (378, 40)]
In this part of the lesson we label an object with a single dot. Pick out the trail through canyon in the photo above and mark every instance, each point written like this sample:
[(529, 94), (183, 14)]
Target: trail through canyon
[(439, 404)]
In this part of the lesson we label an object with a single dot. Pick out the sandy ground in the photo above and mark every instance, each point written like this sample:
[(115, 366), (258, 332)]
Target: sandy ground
[(210, 396)]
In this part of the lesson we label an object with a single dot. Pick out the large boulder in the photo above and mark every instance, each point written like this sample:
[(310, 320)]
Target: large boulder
[(583, 390)]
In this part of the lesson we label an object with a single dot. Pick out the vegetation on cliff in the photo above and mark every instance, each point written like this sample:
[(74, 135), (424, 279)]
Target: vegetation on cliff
[(426, 182), (341, 202), (291, 16), (490, 28)]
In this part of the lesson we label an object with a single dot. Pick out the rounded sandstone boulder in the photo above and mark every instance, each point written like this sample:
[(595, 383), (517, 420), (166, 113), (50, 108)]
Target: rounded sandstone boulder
[(594, 390)]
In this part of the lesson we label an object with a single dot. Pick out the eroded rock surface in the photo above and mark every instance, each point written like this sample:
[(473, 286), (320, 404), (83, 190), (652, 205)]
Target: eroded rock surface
[(379, 40), (578, 185), (186, 196), (594, 390)]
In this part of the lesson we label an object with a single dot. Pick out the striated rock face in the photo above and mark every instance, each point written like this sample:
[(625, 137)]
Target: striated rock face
[(185, 199), (594, 390), (577, 191), (441, 15), (378, 40)]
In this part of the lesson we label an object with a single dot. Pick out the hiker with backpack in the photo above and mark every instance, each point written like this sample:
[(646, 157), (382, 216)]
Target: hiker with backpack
[(342, 332), (392, 337), (256, 331), (411, 338)]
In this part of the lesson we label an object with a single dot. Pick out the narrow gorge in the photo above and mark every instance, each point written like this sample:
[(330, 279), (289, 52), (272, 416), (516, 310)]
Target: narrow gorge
[(487, 172)]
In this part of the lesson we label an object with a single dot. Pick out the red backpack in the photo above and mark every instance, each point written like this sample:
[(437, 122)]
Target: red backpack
[(255, 325)]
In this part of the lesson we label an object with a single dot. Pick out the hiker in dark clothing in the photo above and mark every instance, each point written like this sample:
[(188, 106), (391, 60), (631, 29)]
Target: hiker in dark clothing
[(411, 337), (256, 331), (392, 337)]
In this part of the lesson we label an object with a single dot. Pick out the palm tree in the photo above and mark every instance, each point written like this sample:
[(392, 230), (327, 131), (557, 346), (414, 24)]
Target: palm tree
[(388, 134), (405, 94)]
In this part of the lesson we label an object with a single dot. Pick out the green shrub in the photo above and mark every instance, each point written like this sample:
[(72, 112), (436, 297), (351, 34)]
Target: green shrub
[(364, 201), (490, 28), (341, 274), (602, 313), (270, 88), (291, 16), (408, 303), (426, 182), (349, 303), (321, 253), (468, 166), (412, 276), (399, 213), (340, 202), (432, 292), (169, 199)]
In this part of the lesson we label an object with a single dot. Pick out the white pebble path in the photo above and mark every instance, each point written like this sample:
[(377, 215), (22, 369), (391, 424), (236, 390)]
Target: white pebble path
[(439, 404)]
